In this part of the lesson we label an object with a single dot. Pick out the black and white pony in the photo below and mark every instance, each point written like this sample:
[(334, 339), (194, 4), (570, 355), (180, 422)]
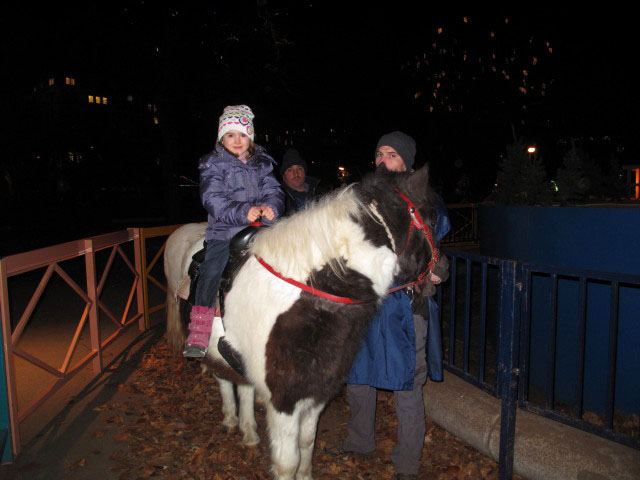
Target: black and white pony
[(300, 303)]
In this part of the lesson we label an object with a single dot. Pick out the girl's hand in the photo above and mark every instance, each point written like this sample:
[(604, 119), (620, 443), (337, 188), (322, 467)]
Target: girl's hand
[(254, 213), (267, 212)]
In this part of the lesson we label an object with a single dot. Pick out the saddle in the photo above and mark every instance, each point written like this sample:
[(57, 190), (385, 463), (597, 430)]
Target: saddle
[(237, 250)]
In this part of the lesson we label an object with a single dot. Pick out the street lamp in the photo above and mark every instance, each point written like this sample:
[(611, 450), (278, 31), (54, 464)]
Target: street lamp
[(531, 150)]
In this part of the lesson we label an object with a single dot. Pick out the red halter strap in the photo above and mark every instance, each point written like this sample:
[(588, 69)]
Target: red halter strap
[(305, 287), (416, 221)]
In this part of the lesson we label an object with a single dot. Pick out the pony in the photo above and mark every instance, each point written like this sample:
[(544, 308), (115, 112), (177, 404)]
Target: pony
[(300, 301)]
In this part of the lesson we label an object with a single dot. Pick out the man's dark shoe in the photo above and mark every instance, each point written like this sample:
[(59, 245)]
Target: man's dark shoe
[(339, 450), (406, 476)]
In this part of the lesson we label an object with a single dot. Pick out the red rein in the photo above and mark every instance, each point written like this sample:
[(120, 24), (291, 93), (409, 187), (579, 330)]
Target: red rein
[(416, 221)]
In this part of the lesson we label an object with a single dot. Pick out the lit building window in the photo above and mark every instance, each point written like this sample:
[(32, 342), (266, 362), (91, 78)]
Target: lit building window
[(439, 30), (98, 99), (51, 82), (465, 19), (90, 98), (69, 81), (155, 120), (104, 100)]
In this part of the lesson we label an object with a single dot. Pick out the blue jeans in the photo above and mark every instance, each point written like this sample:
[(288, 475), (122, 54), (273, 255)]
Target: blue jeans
[(215, 259)]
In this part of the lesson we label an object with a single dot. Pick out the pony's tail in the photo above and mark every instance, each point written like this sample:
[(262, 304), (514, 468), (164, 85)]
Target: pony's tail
[(175, 330)]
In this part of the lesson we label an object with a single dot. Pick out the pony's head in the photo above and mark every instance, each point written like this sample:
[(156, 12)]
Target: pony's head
[(408, 206)]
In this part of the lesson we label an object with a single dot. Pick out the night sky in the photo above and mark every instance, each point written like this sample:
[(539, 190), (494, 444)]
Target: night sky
[(345, 75)]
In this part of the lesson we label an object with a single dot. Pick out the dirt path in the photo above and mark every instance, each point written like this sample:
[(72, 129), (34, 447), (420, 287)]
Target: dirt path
[(171, 429)]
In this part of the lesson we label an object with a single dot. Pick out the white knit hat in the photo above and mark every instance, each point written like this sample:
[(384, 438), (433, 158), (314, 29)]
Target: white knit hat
[(236, 117)]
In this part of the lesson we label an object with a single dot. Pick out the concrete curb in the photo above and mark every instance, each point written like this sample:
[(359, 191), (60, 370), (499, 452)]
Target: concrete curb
[(544, 449)]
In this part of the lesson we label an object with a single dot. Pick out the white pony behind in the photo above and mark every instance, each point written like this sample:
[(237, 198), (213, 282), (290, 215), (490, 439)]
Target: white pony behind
[(301, 301)]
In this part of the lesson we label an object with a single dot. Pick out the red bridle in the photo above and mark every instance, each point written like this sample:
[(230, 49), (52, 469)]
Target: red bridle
[(416, 221)]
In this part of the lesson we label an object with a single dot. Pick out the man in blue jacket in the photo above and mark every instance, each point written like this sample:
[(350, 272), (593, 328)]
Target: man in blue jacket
[(394, 353)]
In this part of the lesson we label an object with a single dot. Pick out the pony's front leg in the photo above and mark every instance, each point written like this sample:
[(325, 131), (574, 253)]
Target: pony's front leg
[(229, 417), (284, 430), (307, 440), (248, 426)]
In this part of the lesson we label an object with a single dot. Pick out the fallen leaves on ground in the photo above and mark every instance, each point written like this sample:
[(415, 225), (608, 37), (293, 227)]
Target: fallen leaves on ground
[(171, 428)]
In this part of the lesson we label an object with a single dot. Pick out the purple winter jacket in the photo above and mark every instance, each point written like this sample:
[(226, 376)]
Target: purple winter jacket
[(228, 188)]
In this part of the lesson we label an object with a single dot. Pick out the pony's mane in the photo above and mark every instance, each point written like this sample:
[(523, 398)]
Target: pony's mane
[(316, 232)]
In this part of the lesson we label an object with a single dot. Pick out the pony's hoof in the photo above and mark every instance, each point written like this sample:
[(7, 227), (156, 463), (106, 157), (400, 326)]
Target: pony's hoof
[(228, 430), (250, 439), (230, 422)]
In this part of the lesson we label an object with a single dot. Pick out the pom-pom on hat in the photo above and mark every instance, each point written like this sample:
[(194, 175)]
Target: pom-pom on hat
[(236, 117), (401, 143)]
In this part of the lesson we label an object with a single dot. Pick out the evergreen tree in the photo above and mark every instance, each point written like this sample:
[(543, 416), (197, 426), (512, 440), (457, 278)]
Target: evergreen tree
[(571, 178), (521, 178)]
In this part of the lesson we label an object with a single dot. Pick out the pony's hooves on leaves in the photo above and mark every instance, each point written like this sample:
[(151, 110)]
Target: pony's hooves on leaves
[(251, 440), (230, 422), (228, 429)]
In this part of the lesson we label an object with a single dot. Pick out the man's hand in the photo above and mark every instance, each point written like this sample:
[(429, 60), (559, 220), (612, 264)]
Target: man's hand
[(435, 279)]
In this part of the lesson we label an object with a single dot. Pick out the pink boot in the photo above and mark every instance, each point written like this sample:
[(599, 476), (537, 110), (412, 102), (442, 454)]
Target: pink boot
[(199, 331)]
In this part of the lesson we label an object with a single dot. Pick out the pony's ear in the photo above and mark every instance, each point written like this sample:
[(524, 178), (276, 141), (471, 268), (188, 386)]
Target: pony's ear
[(418, 182)]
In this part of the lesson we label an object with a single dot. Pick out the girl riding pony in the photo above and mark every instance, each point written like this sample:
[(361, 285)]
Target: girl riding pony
[(237, 187)]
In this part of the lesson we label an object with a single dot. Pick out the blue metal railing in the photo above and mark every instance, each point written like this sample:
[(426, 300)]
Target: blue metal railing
[(489, 333), (507, 329), (464, 224), (467, 318), (593, 346)]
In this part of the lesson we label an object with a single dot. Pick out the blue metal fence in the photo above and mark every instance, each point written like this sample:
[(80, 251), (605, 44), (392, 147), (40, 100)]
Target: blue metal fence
[(579, 349), (534, 336), (464, 224)]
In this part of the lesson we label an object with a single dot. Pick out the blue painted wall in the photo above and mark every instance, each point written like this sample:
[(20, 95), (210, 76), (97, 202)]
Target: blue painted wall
[(605, 239)]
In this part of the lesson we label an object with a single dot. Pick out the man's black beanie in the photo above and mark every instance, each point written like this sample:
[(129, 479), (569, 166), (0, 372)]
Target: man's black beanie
[(401, 143), (290, 158)]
